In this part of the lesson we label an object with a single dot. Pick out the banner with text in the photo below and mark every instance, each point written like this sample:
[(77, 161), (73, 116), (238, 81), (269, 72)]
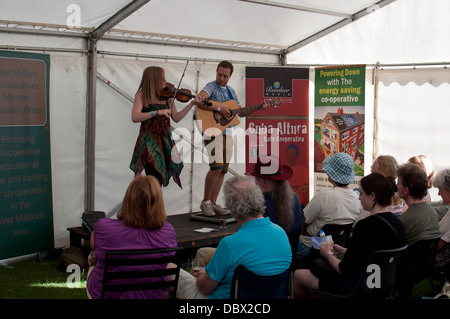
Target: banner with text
[(282, 130), (26, 210), (339, 100)]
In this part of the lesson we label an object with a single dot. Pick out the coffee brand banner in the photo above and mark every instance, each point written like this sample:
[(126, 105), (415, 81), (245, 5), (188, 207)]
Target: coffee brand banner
[(281, 130)]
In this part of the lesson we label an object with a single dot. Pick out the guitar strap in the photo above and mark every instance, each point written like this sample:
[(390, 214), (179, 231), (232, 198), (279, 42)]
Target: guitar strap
[(230, 96), (229, 93)]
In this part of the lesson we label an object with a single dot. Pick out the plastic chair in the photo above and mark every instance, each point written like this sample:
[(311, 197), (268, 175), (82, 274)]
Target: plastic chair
[(340, 233), (416, 264), (377, 280), (294, 238), (341, 236), (248, 285), (136, 270)]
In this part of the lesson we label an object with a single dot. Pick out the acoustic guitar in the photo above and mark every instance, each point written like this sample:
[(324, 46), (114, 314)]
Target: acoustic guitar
[(212, 123)]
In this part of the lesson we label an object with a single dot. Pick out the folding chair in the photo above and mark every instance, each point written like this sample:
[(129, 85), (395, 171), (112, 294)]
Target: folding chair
[(248, 285), (140, 270)]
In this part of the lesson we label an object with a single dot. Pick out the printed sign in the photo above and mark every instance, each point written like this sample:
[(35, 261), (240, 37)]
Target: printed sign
[(26, 211)]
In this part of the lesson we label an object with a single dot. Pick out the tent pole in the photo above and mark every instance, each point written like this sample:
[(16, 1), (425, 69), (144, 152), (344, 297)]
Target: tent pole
[(93, 36), (89, 204), (191, 192), (375, 80)]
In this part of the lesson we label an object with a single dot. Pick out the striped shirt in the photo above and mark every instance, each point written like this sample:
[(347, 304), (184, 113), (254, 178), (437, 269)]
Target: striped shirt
[(220, 94)]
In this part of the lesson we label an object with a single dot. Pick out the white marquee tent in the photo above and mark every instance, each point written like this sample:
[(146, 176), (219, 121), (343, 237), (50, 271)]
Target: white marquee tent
[(98, 50)]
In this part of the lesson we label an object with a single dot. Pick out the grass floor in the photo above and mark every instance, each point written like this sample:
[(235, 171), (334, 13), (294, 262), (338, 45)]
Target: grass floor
[(42, 280), (39, 280)]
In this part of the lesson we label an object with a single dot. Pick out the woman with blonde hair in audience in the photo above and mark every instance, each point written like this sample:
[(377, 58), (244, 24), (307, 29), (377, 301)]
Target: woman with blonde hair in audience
[(426, 164), (388, 165)]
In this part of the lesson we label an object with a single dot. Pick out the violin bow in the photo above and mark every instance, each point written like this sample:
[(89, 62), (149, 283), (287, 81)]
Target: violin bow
[(179, 84)]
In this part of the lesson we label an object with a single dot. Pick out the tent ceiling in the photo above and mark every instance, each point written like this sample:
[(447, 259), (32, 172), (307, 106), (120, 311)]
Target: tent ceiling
[(269, 27)]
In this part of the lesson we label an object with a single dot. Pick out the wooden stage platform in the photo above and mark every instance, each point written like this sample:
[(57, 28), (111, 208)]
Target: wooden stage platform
[(185, 227)]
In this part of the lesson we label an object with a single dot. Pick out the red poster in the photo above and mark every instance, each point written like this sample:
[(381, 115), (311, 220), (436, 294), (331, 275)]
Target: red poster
[(282, 130)]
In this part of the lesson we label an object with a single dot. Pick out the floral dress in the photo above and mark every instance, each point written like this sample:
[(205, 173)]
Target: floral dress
[(155, 147)]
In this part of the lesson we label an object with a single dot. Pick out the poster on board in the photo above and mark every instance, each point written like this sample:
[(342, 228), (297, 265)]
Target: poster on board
[(26, 209), (339, 118), (281, 130)]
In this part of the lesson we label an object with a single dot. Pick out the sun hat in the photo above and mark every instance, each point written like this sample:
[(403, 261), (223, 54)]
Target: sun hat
[(340, 168), (271, 167)]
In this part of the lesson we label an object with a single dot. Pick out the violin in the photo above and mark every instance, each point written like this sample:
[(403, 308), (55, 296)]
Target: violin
[(182, 95), (169, 91)]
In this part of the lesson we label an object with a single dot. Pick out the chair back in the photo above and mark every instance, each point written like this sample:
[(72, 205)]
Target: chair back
[(294, 238), (341, 236), (416, 262), (340, 233), (377, 279), (141, 270), (248, 285)]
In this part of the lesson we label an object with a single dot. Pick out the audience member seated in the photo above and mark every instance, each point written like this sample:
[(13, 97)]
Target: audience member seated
[(259, 245), (282, 204), (388, 165), (425, 163), (420, 219), (140, 224), (442, 182), (338, 205), (381, 230)]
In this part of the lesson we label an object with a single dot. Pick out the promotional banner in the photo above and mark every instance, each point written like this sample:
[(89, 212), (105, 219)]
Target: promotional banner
[(26, 211), (281, 129), (339, 99)]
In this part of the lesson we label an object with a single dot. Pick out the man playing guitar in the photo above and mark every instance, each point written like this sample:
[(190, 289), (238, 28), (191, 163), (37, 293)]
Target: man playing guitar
[(219, 91)]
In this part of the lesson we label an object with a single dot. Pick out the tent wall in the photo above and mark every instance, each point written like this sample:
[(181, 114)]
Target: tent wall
[(109, 47), (67, 137), (413, 109)]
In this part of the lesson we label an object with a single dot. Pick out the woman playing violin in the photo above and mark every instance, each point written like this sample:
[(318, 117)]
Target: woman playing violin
[(155, 151)]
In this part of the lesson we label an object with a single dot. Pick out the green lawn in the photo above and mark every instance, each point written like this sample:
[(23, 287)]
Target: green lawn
[(39, 280)]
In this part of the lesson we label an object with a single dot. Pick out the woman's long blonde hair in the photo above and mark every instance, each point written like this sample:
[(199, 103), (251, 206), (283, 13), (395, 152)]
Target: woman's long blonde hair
[(143, 204), (150, 84), (424, 162)]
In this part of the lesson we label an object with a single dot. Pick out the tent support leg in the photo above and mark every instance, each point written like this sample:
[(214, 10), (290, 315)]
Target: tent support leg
[(89, 198), (375, 81)]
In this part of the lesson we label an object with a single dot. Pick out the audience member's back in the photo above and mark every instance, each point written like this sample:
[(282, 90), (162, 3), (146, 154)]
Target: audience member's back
[(420, 219)]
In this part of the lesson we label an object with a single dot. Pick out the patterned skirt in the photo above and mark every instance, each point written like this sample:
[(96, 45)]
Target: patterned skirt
[(155, 147)]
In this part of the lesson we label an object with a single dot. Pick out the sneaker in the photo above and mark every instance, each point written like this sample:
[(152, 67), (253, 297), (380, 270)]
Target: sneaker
[(207, 208), (219, 210)]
